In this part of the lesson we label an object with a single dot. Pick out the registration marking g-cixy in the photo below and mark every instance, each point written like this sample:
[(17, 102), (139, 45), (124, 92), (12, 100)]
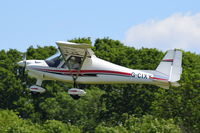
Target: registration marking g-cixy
[(141, 75)]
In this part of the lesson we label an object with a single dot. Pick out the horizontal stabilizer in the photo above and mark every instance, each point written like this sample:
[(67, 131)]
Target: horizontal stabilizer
[(175, 84), (167, 85)]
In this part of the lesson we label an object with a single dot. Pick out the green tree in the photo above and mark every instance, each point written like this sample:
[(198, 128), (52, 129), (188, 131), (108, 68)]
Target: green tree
[(81, 40), (11, 123), (182, 103), (40, 53), (53, 126), (151, 124), (106, 108)]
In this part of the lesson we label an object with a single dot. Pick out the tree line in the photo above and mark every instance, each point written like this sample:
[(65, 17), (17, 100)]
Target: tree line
[(106, 108)]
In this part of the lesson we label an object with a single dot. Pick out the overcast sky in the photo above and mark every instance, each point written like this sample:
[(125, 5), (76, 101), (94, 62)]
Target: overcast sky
[(158, 24)]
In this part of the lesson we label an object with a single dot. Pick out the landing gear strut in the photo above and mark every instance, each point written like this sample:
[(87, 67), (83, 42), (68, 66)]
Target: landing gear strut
[(76, 93)]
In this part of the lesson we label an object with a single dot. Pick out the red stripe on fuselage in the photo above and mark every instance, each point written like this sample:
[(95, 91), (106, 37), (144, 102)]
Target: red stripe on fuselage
[(85, 71), (92, 71), (170, 60), (34, 88), (157, 78)]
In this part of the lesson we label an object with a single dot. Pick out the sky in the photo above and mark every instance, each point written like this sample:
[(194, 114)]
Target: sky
[(164, 25)]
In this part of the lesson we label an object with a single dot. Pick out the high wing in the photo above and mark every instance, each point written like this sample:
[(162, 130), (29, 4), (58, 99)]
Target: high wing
[(68, 49), (74, 49)]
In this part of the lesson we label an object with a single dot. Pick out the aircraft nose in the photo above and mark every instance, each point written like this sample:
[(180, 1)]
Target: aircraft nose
[(21, 63)]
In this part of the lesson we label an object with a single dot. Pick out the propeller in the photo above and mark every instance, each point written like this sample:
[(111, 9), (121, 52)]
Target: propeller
[(22, 70), (24, 62)]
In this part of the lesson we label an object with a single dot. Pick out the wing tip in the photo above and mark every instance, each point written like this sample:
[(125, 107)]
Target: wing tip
[(78, 45), (64, 42)]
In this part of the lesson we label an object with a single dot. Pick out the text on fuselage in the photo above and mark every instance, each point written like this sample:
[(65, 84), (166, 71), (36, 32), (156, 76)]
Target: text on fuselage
[(141, 75)]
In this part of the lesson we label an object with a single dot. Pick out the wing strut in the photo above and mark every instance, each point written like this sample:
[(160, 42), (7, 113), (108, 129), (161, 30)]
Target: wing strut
[(75, 77), (79, 69), (68, 49)]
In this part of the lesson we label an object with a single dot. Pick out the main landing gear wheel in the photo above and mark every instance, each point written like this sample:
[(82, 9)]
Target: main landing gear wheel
[(76, 93)]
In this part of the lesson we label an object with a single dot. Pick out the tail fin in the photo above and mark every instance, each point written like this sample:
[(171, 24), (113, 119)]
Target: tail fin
[(171, 65)]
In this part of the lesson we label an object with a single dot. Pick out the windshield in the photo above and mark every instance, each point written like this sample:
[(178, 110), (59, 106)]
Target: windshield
[(57, 54), (54, 60)]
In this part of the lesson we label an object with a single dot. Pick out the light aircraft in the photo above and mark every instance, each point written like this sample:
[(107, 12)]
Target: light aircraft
[(76, 63)]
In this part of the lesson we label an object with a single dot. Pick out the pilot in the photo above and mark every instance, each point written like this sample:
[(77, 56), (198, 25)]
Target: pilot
[(76, 63), (57, 62)]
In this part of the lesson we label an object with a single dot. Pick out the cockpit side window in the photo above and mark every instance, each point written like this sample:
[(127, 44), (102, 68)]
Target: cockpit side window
[(54, 60), (74, 62)]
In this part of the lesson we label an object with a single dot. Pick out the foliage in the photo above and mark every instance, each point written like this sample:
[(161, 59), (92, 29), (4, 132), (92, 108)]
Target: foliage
[(53, 126), (151, 124), (146, 124), (182, 103), (105, 108), (10, 122), (81, 40)]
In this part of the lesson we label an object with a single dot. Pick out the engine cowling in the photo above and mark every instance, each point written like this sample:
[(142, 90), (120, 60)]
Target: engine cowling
[(36, 88), (76, 91)]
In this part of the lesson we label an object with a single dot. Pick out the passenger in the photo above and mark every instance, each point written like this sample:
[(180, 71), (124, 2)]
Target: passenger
[(77, 63)]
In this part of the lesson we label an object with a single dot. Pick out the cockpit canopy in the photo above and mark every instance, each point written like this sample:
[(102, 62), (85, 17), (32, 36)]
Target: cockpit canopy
[(73, 62)]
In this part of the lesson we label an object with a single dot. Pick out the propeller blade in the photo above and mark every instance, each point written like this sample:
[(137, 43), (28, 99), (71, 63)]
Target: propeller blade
[(22, 69)]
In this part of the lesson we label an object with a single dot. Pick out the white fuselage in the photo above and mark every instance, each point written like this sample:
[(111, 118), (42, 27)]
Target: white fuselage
[(93, 71)]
